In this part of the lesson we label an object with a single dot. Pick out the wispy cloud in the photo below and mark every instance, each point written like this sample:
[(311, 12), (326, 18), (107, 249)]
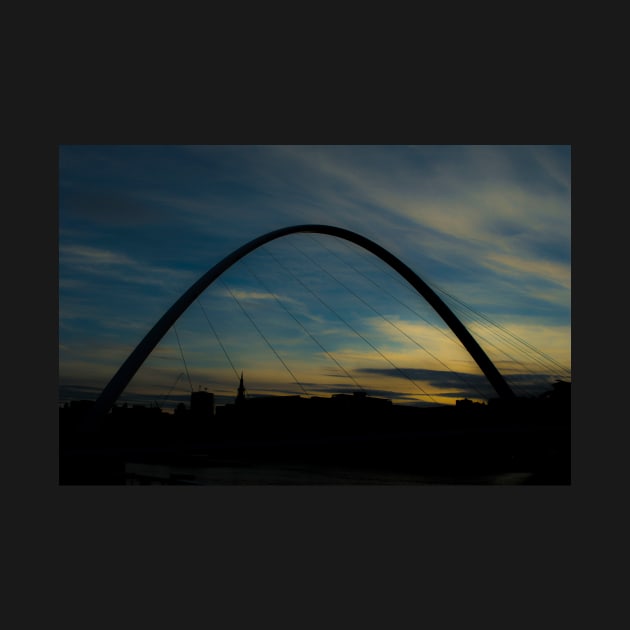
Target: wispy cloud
[(519, 268), (249, 295), (92, 256), (117, 266)]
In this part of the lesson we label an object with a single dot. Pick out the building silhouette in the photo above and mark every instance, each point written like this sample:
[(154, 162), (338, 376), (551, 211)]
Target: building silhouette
[(202, 404), (344, 429)]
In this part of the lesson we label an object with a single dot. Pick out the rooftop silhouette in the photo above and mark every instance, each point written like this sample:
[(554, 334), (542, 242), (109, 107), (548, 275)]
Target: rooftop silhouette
[(352, 430), (506, 434)]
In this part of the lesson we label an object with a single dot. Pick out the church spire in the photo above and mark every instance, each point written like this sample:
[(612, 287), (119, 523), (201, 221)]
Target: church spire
[(241, 390)]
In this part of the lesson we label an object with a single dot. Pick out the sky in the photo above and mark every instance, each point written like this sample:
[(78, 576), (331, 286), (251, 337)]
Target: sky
[(487, 227)]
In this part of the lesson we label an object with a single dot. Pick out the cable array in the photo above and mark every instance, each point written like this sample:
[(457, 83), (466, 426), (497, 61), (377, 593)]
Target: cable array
[(500, 339), (259, 331), (491, 330), (286, 310), (355, 331), (415, 312)]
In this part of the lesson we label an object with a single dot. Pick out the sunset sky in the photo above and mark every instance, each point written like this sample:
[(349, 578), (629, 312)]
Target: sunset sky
[(487, 227)]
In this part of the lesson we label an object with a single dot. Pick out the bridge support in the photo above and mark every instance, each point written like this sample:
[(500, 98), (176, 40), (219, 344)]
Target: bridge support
[(125, 373)]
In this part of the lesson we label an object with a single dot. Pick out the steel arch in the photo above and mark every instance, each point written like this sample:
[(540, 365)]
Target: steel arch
[(127, 370)]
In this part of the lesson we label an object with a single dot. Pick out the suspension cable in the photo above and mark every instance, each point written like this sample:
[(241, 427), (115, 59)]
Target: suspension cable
[(263, 337), (493, 325), (526, 369), (183, 359), (354, 330), (218, 339), (492, 328), (286, 310), (166, 397), (414, 341), (495, 331)]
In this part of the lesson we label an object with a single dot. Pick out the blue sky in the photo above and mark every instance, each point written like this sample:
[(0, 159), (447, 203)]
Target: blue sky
[(488, 227)]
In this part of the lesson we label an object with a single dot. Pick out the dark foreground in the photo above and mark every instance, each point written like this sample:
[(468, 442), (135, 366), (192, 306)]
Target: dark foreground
[(455, 452), (347, 440)]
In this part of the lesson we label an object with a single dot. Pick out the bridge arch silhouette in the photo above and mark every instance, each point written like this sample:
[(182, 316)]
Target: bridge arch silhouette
[(127, 370)]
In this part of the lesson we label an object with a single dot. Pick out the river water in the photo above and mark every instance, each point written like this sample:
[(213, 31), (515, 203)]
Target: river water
[(292, 474)]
